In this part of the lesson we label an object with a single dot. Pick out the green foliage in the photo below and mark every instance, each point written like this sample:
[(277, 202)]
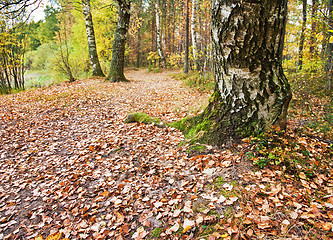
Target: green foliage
[(105, 18), (289, 152), (267, 149), (13, 46), (41, 59), (47, 29)]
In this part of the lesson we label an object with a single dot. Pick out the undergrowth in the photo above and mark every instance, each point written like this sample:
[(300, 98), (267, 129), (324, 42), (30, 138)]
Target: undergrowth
[(201, 81), (290, 151)]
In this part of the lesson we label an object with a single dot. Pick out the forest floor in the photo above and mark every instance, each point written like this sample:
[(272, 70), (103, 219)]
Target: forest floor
[(71, 168)]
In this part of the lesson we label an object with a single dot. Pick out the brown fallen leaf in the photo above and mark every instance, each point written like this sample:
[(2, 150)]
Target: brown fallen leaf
[(264, 225), (249, 232)]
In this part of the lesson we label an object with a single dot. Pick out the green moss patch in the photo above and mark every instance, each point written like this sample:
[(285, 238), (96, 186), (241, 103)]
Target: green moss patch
[(143, 118)]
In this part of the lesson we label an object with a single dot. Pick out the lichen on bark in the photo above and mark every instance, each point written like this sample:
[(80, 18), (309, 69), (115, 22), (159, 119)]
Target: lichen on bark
[(251, 92)]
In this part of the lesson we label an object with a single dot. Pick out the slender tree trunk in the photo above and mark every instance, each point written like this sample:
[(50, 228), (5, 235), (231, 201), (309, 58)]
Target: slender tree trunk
[(329, 63), (194, 35), (93, 57), (301, 43), (186, 63), (199, 39), (153, 33), (159, 35), (116, 72), (173, 29), (252, 92), (313, 26), (138, 50), (169, 42)]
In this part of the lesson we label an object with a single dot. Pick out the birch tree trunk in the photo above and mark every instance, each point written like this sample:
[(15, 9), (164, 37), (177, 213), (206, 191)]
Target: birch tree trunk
[(116, 73), (301, 44), (186, 63), (93, 57), (159, 35), (252, 92), (194, 35)]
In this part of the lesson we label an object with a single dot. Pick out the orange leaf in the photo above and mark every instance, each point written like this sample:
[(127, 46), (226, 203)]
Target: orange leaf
[(327, 226), (186, 229), (54, 236), (105, 194)]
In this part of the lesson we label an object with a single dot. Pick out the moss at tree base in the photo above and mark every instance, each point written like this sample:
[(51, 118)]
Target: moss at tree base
[(216, 126)]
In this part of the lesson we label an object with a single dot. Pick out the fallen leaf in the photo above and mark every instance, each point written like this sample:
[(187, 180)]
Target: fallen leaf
[(158, 204), (105, 194), (327, 226), (302, 175), (55, 236), (188, 224), (176, 213), (249, 232), (264, 225), (175, 227)]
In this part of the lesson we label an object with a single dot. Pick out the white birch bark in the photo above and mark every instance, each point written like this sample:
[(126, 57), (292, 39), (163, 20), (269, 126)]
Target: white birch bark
[(194, 35), (93, 57), (159, 35)]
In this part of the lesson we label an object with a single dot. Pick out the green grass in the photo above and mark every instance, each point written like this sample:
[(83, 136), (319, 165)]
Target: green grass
[(156, 232), (197, 80)]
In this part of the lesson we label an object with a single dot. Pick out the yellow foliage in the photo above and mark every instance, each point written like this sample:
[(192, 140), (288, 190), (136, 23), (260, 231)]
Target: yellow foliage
[(331, 39), (320, 37)]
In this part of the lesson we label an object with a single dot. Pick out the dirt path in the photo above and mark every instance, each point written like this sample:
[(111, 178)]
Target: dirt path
[(69, 164)]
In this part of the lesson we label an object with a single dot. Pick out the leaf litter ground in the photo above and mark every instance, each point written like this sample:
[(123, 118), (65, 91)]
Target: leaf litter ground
[(70, 168)]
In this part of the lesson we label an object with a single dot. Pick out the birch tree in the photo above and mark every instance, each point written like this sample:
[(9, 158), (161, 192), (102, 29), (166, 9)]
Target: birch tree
[(186, 63), (159, 35), (194, 35), (93, 57), (252, 92)]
